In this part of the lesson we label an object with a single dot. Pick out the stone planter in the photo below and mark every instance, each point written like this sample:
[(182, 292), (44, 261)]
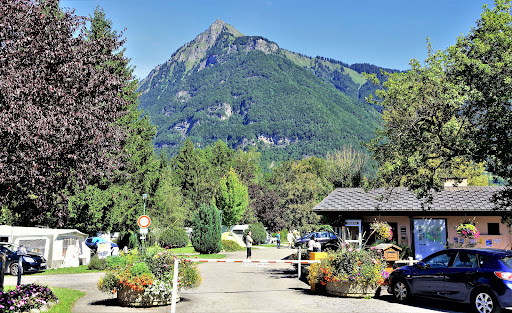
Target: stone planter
[(129, 297), (350, 289)]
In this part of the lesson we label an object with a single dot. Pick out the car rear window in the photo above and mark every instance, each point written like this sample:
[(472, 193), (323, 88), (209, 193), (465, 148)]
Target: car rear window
[(507, 261)]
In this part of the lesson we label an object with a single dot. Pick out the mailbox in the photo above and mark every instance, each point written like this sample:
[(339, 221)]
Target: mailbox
[(391, 254)]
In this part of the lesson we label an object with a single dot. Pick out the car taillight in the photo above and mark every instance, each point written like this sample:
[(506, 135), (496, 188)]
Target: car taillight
[(504, 275)]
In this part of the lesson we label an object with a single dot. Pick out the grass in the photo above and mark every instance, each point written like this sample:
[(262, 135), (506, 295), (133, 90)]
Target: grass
[(67, 298), (68, 270)]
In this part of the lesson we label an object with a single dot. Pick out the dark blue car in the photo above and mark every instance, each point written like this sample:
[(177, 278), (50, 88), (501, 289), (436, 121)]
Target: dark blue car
[(328, 240), (480, 277)]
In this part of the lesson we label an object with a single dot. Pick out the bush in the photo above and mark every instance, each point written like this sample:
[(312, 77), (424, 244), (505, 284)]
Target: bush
[(259, 234), (25, 298), (173, 237), (206, 237), (230, 245), (97, 263)]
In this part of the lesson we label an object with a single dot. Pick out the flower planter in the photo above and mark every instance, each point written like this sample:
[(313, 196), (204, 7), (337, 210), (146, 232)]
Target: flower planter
[(129, 297), (349, 289)]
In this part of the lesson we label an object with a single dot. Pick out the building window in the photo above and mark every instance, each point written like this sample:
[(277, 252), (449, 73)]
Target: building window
[(493, 228)]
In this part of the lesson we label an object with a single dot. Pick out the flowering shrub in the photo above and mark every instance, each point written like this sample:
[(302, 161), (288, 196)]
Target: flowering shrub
[(467, 230), (350, 265), (152, 274), (382, 230), (25, 298)]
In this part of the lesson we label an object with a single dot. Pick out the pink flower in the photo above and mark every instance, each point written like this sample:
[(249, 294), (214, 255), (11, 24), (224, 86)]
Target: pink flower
[(349, 249)]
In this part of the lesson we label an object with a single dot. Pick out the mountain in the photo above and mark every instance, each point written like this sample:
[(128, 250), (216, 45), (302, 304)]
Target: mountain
[(249, 92)]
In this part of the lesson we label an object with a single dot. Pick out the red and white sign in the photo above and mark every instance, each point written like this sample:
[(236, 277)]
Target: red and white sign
[(144, 221)]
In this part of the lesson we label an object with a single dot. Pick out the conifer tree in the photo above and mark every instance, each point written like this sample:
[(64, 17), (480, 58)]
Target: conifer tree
[(206, 237)]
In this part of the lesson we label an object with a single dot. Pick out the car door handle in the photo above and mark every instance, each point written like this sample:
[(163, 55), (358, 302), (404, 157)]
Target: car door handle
[(470, 273)]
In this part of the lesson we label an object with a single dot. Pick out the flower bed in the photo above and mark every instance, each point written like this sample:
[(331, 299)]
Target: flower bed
[(147, 280), (350, 271), (25, 298)]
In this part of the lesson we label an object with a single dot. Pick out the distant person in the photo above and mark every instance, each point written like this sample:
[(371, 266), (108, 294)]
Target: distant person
[(278, 239), (311, 244), (318, 246), (248, 243), (290, 239)]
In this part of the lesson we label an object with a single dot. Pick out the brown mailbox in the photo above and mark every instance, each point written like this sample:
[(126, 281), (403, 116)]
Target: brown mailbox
[(391, 254)]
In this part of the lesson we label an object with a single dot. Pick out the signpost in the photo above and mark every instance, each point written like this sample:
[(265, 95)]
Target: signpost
[(144, 221)]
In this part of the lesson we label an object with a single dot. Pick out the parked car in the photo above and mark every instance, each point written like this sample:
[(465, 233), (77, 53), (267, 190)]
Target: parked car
[(31, 262), (92, 242), (328, 240), (480, 277)]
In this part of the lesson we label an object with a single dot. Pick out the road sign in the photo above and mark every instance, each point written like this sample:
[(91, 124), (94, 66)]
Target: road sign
[(144, 221)]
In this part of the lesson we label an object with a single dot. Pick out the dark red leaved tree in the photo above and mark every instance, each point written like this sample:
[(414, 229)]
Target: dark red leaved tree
[(59, 100)]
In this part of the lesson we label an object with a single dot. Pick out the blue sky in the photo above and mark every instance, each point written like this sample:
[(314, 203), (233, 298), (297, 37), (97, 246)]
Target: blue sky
[(385, 33)]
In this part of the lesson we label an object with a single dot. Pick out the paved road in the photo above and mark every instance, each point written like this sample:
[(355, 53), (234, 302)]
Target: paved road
[(233, 287)]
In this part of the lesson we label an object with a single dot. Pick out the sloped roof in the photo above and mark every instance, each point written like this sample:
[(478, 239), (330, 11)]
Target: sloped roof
[(36, 231), (401, 199)]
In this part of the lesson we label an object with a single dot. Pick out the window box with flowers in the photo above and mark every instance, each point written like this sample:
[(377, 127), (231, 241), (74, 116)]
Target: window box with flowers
[(146, 280), (350, 272)]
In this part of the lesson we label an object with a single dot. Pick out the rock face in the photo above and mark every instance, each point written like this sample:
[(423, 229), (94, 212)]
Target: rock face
[(247, 91)]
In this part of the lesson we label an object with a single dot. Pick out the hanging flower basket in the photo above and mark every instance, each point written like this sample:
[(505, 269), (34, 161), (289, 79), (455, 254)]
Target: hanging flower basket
[(468, 231), (382, 230)]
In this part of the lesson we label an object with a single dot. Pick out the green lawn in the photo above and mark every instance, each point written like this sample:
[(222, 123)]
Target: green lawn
[(67, 270), (67, 298)]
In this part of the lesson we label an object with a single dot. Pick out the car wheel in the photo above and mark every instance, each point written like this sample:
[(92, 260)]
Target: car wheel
[(484, 301), (401, 291), (14, 269)]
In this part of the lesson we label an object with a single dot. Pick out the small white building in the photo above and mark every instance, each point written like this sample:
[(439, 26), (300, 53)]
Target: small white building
[(60, 247)]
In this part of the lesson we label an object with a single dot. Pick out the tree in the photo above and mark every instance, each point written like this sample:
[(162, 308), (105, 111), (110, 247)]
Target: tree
[(455, 109), (232, 198), (346, 167), (206, 235), (59, 104), (122, 201), (266, 206)]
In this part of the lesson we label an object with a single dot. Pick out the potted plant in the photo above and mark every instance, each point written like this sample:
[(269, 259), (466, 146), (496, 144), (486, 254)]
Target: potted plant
[(350, 272), (147, 280)]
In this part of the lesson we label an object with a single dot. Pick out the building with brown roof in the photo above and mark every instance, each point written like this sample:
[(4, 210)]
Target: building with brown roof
[(425, 227)]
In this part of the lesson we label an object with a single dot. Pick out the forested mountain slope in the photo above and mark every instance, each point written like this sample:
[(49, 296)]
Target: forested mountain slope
[(249, 92)]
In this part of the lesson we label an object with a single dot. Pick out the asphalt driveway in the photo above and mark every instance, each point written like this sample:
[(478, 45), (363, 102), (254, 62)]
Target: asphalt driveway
[(235, 287)]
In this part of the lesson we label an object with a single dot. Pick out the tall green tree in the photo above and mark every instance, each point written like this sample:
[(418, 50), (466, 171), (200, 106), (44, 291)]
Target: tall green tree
[(122, 200), (232, 198), (58, 107), (455, 108)]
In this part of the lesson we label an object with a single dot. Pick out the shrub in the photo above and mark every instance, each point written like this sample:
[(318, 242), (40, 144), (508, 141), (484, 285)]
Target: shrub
[(230, 245), (173, 237), (259, 234), (97, 263), (206, 237), (25, 298)]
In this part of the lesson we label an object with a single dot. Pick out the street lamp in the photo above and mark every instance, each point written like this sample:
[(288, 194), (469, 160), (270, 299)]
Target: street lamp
[(144, 196)]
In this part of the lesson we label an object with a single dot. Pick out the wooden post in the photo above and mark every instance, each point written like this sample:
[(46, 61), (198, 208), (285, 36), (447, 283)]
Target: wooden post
[(2, 271), (298, 264), (174, 286)]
